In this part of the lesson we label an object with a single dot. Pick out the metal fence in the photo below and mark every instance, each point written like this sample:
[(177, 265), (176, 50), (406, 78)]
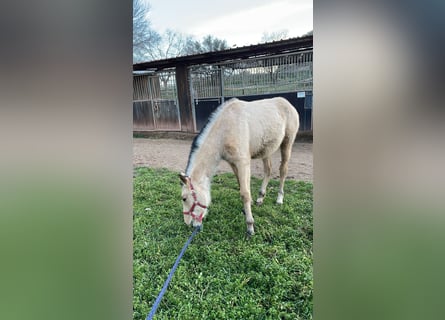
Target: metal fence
[(265, 75)]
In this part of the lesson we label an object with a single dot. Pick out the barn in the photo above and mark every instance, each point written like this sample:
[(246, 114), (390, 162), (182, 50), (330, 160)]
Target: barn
[(179, 94)]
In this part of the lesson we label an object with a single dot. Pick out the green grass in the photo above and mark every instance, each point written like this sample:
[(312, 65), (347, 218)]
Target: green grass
[(223, 274)]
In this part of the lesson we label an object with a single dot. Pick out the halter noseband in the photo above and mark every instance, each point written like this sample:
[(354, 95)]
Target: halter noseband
[(195, 203)]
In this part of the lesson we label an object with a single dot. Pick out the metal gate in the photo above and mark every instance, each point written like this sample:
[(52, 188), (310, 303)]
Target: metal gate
[(286, 75), (155, 102), (206, 91)]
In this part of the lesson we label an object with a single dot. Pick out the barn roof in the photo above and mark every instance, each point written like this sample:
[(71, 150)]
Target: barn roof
[(275, 47)]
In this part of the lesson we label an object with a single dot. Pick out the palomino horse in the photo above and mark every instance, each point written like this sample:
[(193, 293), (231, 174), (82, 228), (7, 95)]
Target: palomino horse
[(237, 132)]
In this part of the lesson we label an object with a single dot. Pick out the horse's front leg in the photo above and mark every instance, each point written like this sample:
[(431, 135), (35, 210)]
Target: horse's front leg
[(244, 181)]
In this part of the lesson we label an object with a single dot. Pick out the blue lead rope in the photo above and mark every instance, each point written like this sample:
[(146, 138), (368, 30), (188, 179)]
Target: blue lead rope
[(170, 276)]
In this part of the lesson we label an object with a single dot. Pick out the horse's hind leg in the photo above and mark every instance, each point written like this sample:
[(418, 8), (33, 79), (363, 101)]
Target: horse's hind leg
[(267, 172), (286, 149)]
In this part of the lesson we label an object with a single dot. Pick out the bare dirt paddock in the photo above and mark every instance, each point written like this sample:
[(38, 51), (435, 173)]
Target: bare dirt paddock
[(173, 154)]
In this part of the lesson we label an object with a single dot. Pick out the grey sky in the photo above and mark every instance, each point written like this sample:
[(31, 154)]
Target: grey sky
[(240, 22)]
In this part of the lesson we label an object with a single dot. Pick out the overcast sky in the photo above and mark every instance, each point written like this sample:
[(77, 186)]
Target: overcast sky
[(240, 22)]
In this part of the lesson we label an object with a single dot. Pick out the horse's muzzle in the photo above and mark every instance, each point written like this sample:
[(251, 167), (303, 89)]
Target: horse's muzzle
[(196, 223), (188, 220)]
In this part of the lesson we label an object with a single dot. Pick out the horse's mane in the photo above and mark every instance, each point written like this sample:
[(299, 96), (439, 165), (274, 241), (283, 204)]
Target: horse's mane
[(200, 138)]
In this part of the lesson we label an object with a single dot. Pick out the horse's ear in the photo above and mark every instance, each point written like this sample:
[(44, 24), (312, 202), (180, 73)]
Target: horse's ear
[(184, 178)]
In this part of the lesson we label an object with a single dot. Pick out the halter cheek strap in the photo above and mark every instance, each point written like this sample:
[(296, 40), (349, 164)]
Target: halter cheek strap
[(195, 203)]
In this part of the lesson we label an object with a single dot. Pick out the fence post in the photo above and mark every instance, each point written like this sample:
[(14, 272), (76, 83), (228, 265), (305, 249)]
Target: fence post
[(221, 73), (184, 99)]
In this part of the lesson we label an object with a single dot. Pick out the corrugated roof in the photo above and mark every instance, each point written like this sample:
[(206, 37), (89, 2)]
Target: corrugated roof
[(275, 47)]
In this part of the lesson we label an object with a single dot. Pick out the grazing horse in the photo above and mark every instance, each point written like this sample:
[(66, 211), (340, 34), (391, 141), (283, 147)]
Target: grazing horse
[(237, 132)]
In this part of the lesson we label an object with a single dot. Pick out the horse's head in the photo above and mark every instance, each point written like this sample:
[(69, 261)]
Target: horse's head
[(195, 200)]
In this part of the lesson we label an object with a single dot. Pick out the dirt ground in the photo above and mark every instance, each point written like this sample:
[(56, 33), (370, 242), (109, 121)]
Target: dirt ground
[(173, 154)]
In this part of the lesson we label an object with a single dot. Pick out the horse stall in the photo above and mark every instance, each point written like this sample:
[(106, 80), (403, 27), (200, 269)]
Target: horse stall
[(179, 94), (155, 102)]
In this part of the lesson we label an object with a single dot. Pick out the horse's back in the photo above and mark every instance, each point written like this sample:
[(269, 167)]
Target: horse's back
[(261, 125), (273, 116), (273, 109)]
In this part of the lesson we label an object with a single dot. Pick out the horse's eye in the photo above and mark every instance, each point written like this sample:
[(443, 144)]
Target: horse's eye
[(184, 199)]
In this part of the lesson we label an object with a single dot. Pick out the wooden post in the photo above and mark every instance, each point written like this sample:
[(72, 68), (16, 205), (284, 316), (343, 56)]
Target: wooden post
[(184, 99)]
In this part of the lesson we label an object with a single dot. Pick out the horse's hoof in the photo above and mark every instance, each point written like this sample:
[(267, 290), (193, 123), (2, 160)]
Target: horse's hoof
[(250, 233), (259, 202)]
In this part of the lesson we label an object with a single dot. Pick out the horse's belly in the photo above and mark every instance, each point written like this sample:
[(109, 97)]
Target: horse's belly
[(266, 147)]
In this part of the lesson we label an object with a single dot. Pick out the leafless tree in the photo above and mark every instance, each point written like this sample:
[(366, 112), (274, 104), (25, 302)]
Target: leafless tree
[(172, 44), (148, 44), (144, 37), (175, 44), (208, 44), (274, 36)]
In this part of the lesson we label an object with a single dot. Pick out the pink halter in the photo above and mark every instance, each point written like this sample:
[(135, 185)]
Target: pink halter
[(195, 203)]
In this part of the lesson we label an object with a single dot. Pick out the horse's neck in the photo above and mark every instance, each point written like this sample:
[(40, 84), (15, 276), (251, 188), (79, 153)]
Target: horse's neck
[(207, 158)]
